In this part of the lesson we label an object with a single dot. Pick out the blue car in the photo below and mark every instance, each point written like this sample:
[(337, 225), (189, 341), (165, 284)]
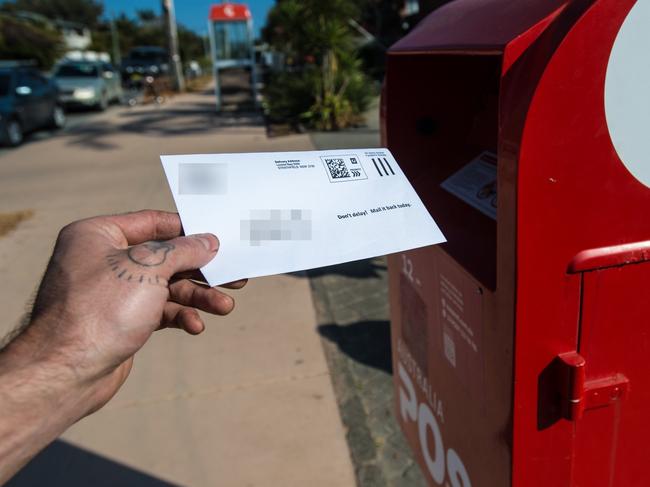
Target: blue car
[(28, 101)]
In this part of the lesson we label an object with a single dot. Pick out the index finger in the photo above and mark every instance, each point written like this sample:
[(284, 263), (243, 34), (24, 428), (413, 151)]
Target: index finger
[(142, 226)]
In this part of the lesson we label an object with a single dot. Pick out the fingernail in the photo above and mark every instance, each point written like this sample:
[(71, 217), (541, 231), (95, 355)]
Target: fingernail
[(211, 242)]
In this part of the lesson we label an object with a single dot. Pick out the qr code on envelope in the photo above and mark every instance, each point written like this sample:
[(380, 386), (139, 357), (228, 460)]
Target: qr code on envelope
[(337, 168), (344, 168)]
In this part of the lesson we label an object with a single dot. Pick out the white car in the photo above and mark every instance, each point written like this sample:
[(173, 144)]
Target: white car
[(88, 83)]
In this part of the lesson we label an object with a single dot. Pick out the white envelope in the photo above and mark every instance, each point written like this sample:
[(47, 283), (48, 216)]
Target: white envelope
[(281, 212)]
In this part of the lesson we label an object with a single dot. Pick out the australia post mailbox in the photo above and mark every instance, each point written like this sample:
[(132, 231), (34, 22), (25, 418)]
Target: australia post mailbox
[(521, 346)]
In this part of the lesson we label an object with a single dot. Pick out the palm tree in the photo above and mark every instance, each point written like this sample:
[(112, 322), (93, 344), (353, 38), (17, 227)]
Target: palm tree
[(319, 46)]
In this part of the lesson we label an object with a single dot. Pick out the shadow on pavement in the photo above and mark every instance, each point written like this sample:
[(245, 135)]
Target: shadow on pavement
[(65, 465), (176, 120), (367, 342), (362, 269), (194, 114)]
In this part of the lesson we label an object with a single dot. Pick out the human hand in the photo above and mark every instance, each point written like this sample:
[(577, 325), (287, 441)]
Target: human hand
[(112, 281)]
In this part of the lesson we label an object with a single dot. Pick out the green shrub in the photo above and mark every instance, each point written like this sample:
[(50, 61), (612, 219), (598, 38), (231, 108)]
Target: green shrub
[(288, 95), (23, 40), (326, 88)]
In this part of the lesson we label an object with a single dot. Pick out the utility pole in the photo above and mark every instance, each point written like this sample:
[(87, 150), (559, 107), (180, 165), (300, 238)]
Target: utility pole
[(172, 43), (206, 44), (117, 55)]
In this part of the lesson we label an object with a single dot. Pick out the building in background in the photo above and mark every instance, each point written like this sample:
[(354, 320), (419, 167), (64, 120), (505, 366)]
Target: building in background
[(76, 37)]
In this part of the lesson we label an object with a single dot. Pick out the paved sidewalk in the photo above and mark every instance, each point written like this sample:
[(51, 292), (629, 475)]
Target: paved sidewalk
[(250, 402), (352, 308), (353, 315)]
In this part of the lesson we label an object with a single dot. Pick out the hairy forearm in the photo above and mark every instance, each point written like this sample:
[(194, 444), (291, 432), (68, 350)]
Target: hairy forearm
[(107, 288), (38, 401)]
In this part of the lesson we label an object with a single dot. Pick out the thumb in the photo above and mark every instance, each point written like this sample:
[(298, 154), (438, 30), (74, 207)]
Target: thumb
[(190, 253)]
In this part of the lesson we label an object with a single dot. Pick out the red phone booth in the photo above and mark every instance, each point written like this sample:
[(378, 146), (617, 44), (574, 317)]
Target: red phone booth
[(520, 346), (232, 45)]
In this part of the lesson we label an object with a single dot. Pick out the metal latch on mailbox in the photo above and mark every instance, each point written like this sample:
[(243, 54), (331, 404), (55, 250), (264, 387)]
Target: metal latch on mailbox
[(579, 394)]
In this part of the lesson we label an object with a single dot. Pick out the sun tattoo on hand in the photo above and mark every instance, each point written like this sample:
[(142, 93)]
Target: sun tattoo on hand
[(138, 263)]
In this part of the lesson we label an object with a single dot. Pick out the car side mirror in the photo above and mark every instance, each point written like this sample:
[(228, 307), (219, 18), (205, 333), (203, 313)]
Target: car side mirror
[(23, 91)]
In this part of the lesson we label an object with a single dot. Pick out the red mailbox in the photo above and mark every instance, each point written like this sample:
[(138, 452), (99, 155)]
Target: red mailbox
[(520, 346)]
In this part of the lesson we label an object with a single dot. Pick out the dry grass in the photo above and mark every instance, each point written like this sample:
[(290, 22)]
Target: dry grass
[(199, 84), (9, 221)]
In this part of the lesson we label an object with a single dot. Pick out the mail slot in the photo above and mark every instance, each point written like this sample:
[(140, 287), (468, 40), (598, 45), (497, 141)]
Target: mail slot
[(520, 346)]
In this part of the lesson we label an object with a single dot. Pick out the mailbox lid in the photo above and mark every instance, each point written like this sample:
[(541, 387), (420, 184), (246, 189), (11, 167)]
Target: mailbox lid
[(477, 25)]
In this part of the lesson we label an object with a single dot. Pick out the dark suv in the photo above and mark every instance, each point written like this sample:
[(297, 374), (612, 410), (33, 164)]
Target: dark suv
[(145, 61), (28, 101)]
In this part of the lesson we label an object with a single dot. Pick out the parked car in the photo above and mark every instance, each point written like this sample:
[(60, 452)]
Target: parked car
[(88, 84), (28, 101), (145, 61)]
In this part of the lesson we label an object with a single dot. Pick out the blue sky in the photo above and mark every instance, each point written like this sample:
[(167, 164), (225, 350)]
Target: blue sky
[(191, 13)]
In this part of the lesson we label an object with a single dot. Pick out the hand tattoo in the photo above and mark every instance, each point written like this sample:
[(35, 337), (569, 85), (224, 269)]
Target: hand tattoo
[(137, 263), (150, 254)]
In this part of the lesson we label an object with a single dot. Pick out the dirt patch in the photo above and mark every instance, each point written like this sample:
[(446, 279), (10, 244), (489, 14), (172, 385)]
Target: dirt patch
[(9, 221), (199, 84)]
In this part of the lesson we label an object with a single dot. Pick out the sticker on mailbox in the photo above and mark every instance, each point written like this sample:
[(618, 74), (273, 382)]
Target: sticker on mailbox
[(476, 184)]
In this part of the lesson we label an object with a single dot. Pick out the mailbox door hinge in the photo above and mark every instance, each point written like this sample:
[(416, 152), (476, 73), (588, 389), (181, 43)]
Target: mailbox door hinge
[(577, 394)]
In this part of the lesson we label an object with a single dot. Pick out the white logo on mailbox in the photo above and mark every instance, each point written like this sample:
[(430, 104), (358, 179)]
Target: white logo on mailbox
[(627, 93)]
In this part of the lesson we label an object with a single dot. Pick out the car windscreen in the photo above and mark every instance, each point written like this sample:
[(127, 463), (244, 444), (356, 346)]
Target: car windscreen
[(77, 71), (5, 84)]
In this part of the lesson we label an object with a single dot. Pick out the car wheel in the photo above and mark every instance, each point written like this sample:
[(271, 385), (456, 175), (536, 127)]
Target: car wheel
[(58, 117), (14, 133)]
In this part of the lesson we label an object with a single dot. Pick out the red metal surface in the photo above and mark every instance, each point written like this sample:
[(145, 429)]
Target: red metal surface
[(229, 12), (564, 269), (481, 25), (569, 198), (445, 394), (610, 443)]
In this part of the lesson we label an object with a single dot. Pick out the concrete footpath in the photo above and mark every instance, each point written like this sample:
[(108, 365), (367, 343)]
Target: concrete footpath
[(248, 403), (352, 307)]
